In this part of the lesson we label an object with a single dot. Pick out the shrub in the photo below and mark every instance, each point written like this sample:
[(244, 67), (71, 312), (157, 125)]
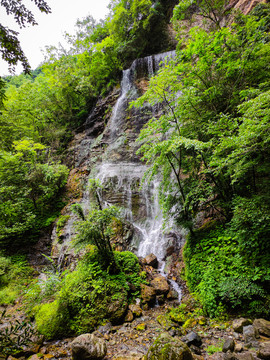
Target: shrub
[(14, 336), (90, 296), (14, 276), (225, 279)]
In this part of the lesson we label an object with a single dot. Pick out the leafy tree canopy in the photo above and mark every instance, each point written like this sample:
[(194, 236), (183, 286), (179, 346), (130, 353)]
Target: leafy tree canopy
[(10, 47)]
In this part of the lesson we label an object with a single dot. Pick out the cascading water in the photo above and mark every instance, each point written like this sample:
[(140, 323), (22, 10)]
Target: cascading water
[(121, 174), (141, 208), (121, 104), (122, 179)]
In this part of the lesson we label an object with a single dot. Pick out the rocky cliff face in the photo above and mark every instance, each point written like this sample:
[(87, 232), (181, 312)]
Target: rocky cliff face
[(245, 6), (107, 150)]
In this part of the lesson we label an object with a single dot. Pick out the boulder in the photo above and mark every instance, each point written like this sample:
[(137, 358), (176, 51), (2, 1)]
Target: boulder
[(238, 324), (148, 294), (135, 309), (172, 295), (228, 345), (263, 326), (238, 347), (88, 347), (165, 347), (217, 356), (160, 284), (192, 338), (151, 260), (161, 299), (264, 350), (116, 310), (129, 316), (250, 335), (105, 329)]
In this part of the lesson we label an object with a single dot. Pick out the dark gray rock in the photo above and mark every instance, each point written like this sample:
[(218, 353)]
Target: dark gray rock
[(250, 334), (229, 356), (228, 345), (105, 329), (216, 356), (244, 356), (238, 324), (192, 338), (151, 260), (263, 326)]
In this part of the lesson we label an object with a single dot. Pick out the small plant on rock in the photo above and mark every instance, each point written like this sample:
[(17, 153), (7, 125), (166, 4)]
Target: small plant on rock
[(14, 335)]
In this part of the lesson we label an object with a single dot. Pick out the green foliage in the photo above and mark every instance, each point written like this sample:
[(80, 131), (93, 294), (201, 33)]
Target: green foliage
[(213, 147), (61, 222), (29, 183), (15, 274), (211, 349), (10, 47), (219, 270), (179, 314), (89, 296), (138, 28), (97, 229), (14, 335)]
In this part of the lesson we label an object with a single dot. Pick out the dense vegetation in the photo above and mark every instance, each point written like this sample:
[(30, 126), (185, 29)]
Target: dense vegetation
[(86, 297), (210, 144), (213, 137), (41, 110)]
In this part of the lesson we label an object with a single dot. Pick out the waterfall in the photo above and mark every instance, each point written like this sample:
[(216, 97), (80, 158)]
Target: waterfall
[(144, 67), (118, 113), (149, 65), (122, 179), (120, 172)]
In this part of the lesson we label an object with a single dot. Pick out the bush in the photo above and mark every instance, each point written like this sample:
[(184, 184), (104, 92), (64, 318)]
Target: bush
[(225, 279), (14, 276), (90, 296), (14, 336)]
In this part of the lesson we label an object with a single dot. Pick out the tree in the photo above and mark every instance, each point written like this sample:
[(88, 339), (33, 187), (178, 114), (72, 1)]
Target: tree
[(29, 182), (97, 227), (10, 47), (202, 147)]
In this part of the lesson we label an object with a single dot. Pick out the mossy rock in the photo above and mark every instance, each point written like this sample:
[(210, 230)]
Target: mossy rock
[(166, 347), (190, 323), (141, 327), (52, 320), (165, 322), (178, 316)]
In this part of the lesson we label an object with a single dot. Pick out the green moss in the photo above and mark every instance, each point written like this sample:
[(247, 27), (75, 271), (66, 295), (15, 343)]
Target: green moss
[(62, 220), (52, 320), (165, 322), (141, 327), (178, 314)]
